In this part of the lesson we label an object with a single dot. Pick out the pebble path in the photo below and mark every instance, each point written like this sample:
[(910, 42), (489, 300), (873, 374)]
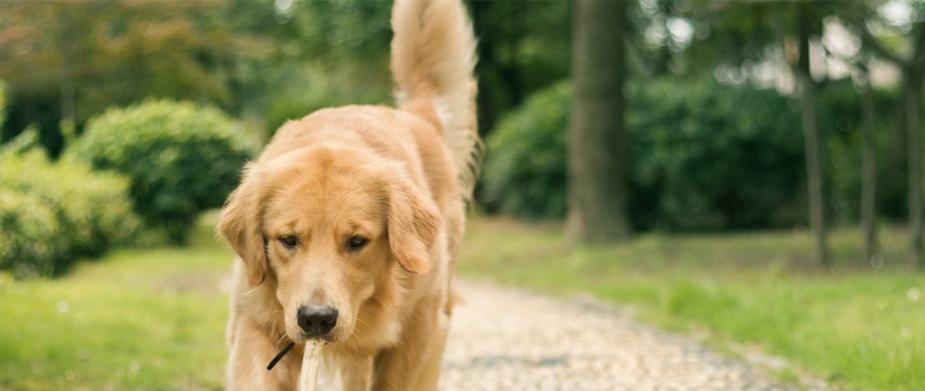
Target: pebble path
[(509, 339)]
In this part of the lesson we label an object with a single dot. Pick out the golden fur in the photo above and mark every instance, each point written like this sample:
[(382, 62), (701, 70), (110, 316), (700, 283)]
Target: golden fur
[(398, 177)]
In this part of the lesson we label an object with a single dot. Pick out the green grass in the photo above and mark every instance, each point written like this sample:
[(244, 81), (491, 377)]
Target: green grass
[(149, 319), (859, 326), (153, 319)]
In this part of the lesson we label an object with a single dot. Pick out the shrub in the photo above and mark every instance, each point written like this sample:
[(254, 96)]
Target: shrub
[(709, 155), (525, 169), (180, 158), (695, 149), (30, 240), (54, 213), (23, 142)]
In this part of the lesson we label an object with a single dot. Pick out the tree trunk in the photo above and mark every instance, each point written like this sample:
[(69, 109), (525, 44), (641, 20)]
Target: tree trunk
[(869, 176), (913, 143), (67, 87), (597, 134), (812, 145)]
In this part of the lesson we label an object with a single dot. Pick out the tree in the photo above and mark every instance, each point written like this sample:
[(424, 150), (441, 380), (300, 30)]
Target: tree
[(744, 34), (859, 58), (912, 65), (869, 171), (812, 139), (69, 60), (597, 131)]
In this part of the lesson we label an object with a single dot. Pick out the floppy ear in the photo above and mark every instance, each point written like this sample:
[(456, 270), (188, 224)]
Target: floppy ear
[(240, 224), (413, 222)]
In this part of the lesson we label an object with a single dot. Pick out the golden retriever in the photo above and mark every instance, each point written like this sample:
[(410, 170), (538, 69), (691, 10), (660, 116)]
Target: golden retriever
[(347, 224)]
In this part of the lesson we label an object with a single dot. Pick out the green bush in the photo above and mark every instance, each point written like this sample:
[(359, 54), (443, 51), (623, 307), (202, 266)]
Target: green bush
[(707, 156), (695, 149), (54, 213), (24, 142), (30, 237), (525, 169), (181, 158)]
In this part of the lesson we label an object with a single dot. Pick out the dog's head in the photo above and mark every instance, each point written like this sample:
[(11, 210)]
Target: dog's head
[(326, 227)]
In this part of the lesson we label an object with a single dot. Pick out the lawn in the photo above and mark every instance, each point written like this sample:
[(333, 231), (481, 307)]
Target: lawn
[(859, 326), (149, 319), (154, 318)]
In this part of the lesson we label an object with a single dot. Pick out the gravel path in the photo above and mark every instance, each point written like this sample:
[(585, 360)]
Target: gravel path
[(506, 339)]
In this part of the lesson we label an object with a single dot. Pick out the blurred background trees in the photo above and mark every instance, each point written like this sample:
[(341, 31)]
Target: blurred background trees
[(909, 57), (737, 115)]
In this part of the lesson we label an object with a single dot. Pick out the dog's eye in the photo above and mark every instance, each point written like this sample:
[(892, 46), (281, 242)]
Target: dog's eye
[(289, 241), (356, 242)]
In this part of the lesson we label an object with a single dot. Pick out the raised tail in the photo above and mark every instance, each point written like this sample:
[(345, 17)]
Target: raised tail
[(433, 58)]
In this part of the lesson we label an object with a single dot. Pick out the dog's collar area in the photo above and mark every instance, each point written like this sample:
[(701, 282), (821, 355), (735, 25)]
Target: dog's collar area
[(279, 356)]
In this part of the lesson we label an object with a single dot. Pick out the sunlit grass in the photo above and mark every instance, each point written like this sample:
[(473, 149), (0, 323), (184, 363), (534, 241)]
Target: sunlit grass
[(136, 319), (859, 325)]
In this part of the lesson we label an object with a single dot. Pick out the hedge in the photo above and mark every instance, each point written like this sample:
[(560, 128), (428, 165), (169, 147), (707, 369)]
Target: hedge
[(181, 158), (694, 149), (54, 213)]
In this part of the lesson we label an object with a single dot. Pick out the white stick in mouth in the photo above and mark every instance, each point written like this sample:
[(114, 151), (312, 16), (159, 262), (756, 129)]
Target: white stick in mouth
[(311, 360)]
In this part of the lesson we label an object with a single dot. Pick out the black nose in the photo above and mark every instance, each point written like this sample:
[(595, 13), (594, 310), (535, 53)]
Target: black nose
[(317, 320)]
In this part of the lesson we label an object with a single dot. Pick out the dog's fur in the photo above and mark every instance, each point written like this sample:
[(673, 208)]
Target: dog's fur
[(399, 177)]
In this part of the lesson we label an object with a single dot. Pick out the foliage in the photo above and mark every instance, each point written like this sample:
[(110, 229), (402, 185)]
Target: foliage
[(24, 142), (346, 30), (268, 61), (696, 148), (521, 50), (53, 213), (691, 167), (29, 234), (840, 120), (181, 158), (70, 60), (324, 89), (525, 169)]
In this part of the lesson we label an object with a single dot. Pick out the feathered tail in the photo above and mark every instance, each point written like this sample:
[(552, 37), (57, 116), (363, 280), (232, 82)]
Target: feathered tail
[(433, 58)]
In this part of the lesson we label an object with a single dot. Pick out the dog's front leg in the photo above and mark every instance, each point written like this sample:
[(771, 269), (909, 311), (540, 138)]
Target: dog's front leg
[(414, 364)]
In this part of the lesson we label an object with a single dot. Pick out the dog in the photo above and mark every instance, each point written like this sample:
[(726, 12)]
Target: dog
[(346, 226)]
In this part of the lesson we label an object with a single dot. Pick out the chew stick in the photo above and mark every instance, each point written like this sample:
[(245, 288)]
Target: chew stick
[(311, 360), (279, 356)]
